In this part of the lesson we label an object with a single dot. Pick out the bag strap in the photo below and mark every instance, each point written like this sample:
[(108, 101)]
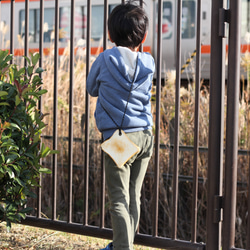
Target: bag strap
[(120, 127)]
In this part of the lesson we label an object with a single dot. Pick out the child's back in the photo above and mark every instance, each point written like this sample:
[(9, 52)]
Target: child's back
[(110, 79)]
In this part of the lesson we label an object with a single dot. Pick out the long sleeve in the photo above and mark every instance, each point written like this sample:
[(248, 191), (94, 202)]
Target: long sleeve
[(93, 83)]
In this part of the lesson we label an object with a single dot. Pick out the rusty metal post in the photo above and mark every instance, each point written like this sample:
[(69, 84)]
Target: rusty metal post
[(231, 159), (216, 127)]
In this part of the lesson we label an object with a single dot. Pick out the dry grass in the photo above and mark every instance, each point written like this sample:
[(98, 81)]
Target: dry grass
[(46, 239), (26, 237), (167, 114)]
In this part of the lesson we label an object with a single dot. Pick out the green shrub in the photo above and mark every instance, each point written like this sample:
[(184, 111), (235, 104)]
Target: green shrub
[(20, 136)]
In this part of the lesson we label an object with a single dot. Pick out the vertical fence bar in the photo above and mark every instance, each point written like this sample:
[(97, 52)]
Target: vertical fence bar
[(176, 125), (105, 29), (141, 47), (39, 191), (157, 122), (41, 35), (12, 21), (71, 109), (216, 128), (86, 163), (55, 110), (0, 22), (196, 121), (231, 159), (26, 36), (105, 41), (248, 220)]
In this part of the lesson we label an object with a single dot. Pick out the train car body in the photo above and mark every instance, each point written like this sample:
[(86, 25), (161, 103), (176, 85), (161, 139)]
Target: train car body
[(169, 27)]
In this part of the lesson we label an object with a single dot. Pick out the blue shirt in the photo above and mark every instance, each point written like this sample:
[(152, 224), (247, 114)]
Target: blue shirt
[(110, 80)]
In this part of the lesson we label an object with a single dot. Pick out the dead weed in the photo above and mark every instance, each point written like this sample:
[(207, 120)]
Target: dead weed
[(33, 238)]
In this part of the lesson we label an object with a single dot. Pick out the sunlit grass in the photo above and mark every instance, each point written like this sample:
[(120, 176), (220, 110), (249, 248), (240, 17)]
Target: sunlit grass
[(27, 237)]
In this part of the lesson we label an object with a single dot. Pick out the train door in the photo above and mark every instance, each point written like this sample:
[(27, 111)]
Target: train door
[(188, 34), (168, 34)]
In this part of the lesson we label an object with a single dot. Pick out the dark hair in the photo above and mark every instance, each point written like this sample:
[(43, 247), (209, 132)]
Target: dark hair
[(127, 25)]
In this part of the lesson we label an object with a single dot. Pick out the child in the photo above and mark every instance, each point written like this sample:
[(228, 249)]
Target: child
[(110, 78)]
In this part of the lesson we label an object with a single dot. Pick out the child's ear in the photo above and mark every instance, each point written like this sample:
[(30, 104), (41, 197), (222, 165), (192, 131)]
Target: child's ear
[(146, 34)]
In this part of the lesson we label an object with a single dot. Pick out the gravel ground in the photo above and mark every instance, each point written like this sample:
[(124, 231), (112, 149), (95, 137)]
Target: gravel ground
[(26, 237)]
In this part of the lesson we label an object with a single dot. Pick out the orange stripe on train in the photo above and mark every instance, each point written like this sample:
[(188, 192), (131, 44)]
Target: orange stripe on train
[(61, 51), (205, 49)]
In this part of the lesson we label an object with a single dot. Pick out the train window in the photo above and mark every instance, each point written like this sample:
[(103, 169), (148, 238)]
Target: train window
[(167, 26), (34, 24), (204, 15), (245, 16), (188, 19), (32, 30), (97, 22), (80, 23), (64, 23), (48, 27)]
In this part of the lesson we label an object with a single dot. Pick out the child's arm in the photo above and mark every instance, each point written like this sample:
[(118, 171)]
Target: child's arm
[(92, 83)]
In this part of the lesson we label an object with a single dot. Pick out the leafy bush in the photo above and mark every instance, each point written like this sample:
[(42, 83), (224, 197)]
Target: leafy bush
[(20, 136)]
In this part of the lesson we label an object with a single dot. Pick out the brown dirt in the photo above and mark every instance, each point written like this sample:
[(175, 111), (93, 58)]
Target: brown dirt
[(26, 237)]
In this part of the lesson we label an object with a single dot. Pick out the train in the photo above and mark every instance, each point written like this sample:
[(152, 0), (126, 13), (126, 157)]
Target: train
[(169, 27)]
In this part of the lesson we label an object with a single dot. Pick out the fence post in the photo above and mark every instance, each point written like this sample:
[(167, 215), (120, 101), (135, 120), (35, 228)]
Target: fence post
[(231, 158), (216, 127)]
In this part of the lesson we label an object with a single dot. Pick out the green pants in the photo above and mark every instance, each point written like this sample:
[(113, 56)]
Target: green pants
[(124, 190)]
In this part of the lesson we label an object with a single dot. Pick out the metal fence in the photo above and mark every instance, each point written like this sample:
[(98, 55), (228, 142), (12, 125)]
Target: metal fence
[(220, 200)]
